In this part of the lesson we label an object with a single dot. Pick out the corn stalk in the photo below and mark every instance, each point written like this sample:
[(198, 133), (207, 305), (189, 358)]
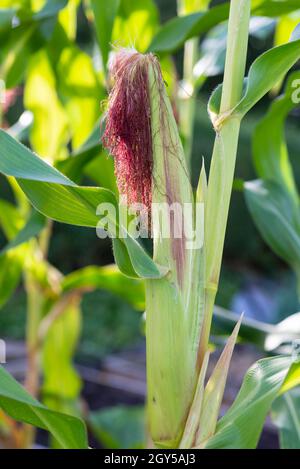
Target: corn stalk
[(152, 169)]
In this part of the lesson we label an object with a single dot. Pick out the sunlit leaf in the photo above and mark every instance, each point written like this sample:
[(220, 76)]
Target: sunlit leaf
[(11, 266), (81, 93), (176, 31), (32, 228), (68, 18), (11, 220), (16, 402), (61, 384), (242, 424), (57, 197), (135, 24), (265, 72), (49, 133)]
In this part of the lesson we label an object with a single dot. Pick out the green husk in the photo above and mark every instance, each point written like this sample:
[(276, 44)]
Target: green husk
[(174, 304)]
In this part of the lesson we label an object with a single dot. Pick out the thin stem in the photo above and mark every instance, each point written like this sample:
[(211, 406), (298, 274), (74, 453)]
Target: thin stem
[(224, 157), (45, 236), (188, 98), (34, 314), (187, 101), (35, 302), (237, 44)]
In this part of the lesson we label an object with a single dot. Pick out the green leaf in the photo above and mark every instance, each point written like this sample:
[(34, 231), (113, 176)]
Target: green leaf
[(80, 93), (285, 415), (193, 420), (92, 161), (122, 258), (119, 427), (32, 228), (18, 161), (265, 72), (135, 24), (190, 6), (276, 217), (241, 426), (285, 27), (274, 7), (107, 278), (11, 221), (20, 42), (15, 52), (49, 134), (6, 16), (69, 431), (104, 13), (270, 151), (214, 390), (292, 379), (62, 384), (10, 274), (101, 170), (73, 166), (176, 31), (213, 46), (263, 75), (59, 198), (51, 8)]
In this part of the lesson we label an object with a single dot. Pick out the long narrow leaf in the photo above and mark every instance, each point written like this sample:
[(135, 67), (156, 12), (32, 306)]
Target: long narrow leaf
[(242, 424), (59, 198), (16, 402)]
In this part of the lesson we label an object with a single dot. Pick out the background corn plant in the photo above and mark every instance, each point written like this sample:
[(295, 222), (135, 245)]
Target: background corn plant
[(42, 50)]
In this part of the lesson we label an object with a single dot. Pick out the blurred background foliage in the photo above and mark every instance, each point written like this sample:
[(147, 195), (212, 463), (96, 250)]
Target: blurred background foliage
[(54, 63)]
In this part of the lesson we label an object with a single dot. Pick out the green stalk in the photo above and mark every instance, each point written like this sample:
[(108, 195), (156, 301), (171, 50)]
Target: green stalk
[(35, 303), (33, 317), (224, 157), (187, 103)]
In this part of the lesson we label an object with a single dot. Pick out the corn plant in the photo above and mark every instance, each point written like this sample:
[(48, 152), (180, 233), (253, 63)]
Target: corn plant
[(181, 283)]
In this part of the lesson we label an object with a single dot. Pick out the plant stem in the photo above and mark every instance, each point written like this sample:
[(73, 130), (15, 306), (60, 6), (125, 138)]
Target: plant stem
[(34, 306), (44, 238), (35, 302), (34, 314), (188, 99), (223, 158)]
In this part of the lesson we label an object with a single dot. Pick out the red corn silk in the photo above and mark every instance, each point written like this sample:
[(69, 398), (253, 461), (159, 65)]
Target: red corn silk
[(128, 135)]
